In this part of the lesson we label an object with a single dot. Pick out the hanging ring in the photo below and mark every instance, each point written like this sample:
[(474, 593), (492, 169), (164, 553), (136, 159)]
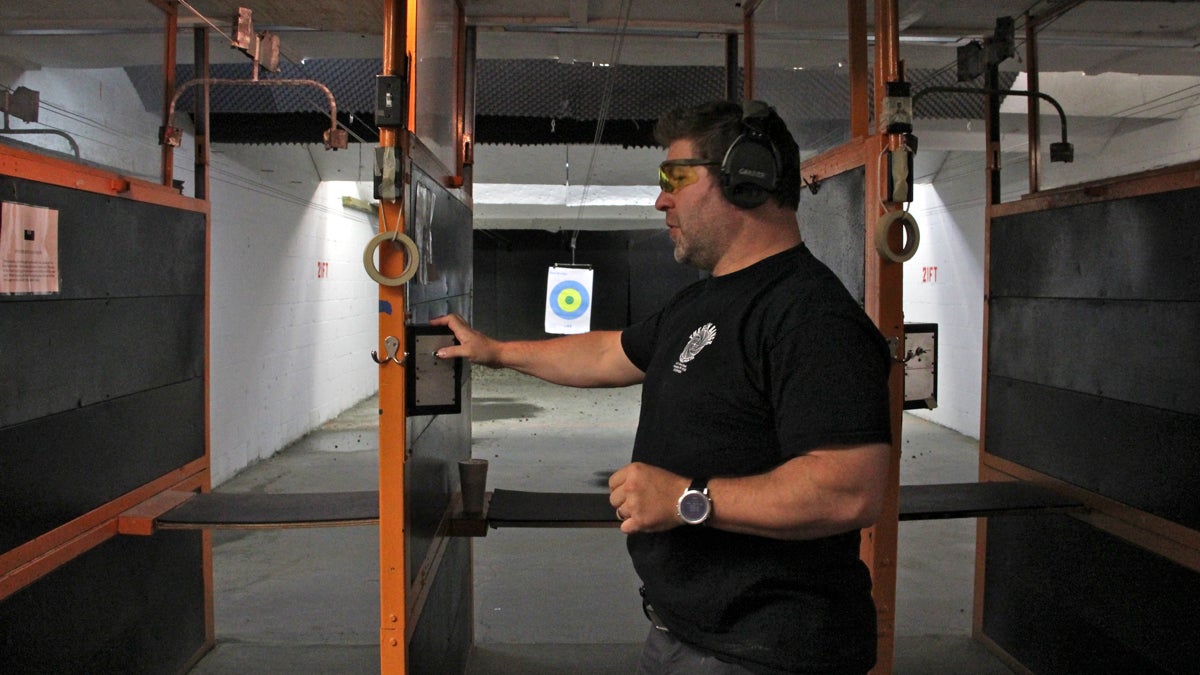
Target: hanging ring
[(410, 258), (912, 236)]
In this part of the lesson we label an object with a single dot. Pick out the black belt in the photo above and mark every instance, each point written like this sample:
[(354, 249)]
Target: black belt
[(650, 613)]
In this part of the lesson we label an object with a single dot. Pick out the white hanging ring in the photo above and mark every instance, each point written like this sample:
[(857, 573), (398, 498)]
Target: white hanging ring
[(410, 258), (912, 236)]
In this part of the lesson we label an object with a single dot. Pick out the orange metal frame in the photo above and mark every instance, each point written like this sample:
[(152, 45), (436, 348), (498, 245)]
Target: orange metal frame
[(399, 41)]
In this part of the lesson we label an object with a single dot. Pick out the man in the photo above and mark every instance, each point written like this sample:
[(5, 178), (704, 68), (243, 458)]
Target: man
[(763, 443)]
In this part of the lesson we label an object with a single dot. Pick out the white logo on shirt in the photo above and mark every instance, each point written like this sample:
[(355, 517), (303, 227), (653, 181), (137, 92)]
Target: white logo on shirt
[(701, 338)]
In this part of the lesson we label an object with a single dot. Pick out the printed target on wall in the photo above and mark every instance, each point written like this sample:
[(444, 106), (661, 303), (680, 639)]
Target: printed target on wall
[(568, 299)]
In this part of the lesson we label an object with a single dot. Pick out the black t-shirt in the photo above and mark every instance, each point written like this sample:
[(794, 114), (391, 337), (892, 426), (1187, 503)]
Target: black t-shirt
[(743, 372)]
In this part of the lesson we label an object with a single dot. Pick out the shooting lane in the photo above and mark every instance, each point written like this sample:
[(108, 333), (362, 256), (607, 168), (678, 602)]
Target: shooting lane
[(1088, 435), (1089, 391)]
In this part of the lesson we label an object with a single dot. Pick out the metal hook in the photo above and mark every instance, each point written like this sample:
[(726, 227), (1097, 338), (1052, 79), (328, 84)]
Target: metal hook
[(392, 344)]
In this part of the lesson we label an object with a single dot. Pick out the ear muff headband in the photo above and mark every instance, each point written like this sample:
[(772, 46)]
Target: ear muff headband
[(751, 167)]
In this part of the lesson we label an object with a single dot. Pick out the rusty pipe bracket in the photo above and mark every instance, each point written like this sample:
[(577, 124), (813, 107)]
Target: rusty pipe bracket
[(334, 138)]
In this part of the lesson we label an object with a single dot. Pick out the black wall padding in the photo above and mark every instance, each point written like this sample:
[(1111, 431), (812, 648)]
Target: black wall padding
[(131, 605), (1139, 455), (436, 442), (1091, 378), (444, 280), (59, 467), (103, 393), (112, 247), (1064, 597), (103, 380), (833, 223), (1141, 248), (1092, 368), (63, 355), (635, 274)]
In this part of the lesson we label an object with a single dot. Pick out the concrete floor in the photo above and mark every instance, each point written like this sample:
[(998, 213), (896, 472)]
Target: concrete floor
[(546, 600)]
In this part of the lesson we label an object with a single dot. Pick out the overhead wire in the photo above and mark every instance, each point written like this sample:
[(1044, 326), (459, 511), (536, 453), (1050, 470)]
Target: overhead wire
[(602, 115)]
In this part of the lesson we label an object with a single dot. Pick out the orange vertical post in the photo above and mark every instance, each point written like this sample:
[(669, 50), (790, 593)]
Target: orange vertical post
[(860, 108), (884, 304), (393, 575)]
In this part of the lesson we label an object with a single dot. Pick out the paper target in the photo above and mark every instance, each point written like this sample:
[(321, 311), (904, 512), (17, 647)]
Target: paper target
[(569, 300)]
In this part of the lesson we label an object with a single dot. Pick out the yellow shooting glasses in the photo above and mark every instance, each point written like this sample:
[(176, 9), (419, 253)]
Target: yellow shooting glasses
[(674, 174)]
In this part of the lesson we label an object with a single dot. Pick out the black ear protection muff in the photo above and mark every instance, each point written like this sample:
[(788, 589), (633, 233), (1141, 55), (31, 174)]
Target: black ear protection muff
[(750, 169)]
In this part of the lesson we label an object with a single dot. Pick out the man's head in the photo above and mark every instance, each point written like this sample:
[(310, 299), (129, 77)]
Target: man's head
[(760, 142)]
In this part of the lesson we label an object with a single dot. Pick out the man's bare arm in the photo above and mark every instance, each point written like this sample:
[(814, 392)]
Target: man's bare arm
[(824, 492), (594, 359)]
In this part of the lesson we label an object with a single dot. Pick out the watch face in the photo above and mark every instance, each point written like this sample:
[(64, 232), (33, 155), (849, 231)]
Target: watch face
[(693, 507)]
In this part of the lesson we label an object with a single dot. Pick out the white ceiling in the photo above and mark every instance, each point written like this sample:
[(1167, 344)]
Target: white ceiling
[(1131, 36)]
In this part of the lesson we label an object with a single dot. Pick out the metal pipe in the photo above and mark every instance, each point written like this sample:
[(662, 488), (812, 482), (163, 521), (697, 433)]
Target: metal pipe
[(1062, 116), (56, 132), (277, 83)]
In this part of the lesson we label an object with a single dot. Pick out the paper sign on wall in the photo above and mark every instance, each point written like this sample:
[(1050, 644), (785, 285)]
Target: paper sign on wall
[(568, 300), (28, 249)]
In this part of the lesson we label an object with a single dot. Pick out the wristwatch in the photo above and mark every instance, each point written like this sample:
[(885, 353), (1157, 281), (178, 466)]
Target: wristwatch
[(694, 505)]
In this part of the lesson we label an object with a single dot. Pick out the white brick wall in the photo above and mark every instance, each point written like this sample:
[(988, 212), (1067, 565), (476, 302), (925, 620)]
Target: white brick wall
[(290, 346), (943, 284)]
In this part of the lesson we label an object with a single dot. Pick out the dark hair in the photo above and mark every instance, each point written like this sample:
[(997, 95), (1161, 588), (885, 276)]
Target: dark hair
[(713, 127)]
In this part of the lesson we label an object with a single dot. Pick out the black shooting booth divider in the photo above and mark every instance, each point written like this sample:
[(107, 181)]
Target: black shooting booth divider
[(1094, 309), (103, 399)]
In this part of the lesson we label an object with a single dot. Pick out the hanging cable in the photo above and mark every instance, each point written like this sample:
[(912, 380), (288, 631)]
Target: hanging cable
[(614, 61)]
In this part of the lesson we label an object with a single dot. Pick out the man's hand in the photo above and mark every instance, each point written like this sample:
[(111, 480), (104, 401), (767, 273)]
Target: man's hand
[(646, 497), (472, 345)]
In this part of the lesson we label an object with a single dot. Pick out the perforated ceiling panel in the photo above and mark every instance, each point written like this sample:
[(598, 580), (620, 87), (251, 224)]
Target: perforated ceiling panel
[(565, 97)]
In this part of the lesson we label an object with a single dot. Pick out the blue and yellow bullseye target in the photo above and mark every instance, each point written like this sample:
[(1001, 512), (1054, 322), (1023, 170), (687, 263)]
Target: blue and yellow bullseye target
[(569, 299)]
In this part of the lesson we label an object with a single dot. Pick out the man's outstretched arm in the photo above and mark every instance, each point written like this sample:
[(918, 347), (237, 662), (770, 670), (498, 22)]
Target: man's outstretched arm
[(594, 359)]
